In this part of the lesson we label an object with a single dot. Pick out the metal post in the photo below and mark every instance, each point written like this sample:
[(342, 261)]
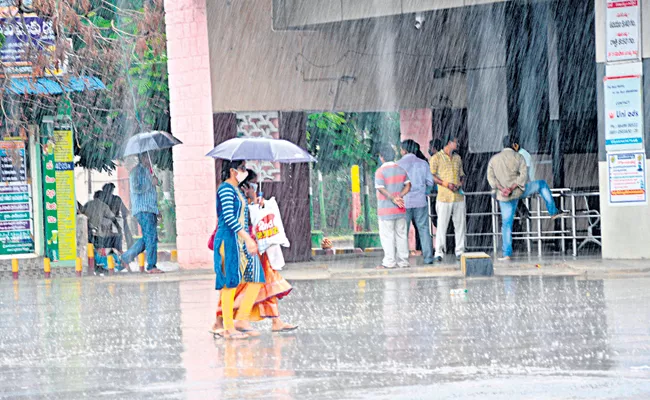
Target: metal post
[(494, 225), (574, 230), (539, 227), (527, 203), (321, 203), (562, 224)]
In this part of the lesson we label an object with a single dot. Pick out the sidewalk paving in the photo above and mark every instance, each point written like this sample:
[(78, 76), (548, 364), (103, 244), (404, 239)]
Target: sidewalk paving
[(364, 268)]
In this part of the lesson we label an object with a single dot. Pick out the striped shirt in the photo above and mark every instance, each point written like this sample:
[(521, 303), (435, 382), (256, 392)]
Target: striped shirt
[(144, 198), (449, 169), (393, 178), (230, 207)]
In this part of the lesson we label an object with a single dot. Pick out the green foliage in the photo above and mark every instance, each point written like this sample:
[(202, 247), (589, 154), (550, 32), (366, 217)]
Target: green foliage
[(137, 95), (336, 142)]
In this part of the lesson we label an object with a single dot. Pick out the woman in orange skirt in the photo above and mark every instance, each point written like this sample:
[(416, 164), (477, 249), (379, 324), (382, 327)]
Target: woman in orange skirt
[(274, 289)]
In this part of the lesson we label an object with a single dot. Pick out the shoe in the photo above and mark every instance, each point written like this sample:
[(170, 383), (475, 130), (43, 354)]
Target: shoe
[(428, 262), (560, 215), (458, 257), (504, 259), (438, 259), (405, 266)]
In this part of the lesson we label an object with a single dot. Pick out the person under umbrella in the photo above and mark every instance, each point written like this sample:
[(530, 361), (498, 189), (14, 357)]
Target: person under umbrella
[(144, 199), (235, 252), (275, 286)]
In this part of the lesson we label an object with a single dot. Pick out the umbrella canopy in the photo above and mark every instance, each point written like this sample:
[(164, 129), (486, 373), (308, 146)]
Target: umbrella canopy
[(149, 141), (261, 149)]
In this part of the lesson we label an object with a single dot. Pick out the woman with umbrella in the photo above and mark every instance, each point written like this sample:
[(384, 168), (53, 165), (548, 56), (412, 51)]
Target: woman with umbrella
[(235, 255), (274, 289), (233, 152)]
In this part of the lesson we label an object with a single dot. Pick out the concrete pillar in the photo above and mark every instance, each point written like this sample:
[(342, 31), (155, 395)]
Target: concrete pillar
[(191, 122), (416, 124), (625, 230)]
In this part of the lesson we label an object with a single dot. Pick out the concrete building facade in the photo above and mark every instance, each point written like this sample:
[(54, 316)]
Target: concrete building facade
[(477, 67)]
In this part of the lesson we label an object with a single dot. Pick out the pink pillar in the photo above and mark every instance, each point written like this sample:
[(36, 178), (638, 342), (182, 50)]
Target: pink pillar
[(417, 125), (191, 122)]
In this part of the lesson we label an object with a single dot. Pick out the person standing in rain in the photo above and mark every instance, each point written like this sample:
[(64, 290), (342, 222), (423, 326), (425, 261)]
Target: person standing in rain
[(508, 176), (144, 199), (118, 209), (392, 184), (447, 169), (415, 200)]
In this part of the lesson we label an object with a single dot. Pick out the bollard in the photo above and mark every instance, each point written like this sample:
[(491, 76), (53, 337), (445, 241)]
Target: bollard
[(14, 267), (91, 259), (78, 267), (47, 268), (141, 261), (111, 264), (174, 256)]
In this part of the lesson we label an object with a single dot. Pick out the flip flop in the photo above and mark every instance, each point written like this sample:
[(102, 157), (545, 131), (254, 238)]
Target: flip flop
[(286, 329), (236, 336), (155, 271), (384, 267), (217, 332), (250, 332)]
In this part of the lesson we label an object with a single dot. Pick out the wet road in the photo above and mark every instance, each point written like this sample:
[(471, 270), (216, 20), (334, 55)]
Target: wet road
[(529, 337)]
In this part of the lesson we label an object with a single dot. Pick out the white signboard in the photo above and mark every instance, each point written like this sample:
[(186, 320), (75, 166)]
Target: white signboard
[(627, 179), (623, 108), (623, 39)]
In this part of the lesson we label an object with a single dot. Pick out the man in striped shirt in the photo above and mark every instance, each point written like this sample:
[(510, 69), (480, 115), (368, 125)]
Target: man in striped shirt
[(144, 201), (392, 184)]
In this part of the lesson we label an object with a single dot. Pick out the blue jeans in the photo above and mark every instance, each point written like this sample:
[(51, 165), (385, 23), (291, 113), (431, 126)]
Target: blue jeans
[(420, 218), (541, 188), (508, 209), (149, 241)]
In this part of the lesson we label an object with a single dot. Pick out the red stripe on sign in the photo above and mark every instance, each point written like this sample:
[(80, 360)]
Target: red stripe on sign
[(382, 212), (611, 78), (391, 180), (620, 4)]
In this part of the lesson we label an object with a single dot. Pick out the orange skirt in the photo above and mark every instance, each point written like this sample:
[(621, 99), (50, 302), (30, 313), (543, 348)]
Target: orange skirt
[(266, 305)]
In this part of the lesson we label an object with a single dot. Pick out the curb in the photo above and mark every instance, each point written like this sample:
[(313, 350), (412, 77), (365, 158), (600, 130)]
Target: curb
[(338, 252)]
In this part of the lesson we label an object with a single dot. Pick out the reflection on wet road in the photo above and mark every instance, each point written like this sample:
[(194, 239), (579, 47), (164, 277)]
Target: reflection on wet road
[(528, 337)]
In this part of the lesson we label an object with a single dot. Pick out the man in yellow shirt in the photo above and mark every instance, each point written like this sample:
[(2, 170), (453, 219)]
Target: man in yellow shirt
[(447, 169)]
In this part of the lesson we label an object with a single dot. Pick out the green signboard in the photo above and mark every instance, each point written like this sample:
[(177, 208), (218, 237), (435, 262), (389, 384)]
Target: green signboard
[(16, 221), (59, 195)]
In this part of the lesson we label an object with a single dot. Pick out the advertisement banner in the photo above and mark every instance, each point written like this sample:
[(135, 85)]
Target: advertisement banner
[(627, 179), (26, 38), (623, 42), (623, 113), (16, 217), (59, 195)]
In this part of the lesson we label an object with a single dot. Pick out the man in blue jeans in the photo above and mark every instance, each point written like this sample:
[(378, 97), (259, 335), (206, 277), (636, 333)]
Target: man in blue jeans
[(508, 176), (144, 201), (417, 210)]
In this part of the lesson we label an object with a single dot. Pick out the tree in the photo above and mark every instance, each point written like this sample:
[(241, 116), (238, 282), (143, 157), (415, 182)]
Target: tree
[(336, 142), (120, 42)]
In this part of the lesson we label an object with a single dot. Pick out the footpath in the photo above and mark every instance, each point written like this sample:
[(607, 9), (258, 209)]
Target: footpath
[(364, 267)]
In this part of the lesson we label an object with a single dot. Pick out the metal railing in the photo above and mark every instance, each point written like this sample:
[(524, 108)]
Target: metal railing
[(536, 232)]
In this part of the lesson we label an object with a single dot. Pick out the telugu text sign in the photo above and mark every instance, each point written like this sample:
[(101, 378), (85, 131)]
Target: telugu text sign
[(623, 30), (16, 227), (623, 113), (26, 38), (627, 178)]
